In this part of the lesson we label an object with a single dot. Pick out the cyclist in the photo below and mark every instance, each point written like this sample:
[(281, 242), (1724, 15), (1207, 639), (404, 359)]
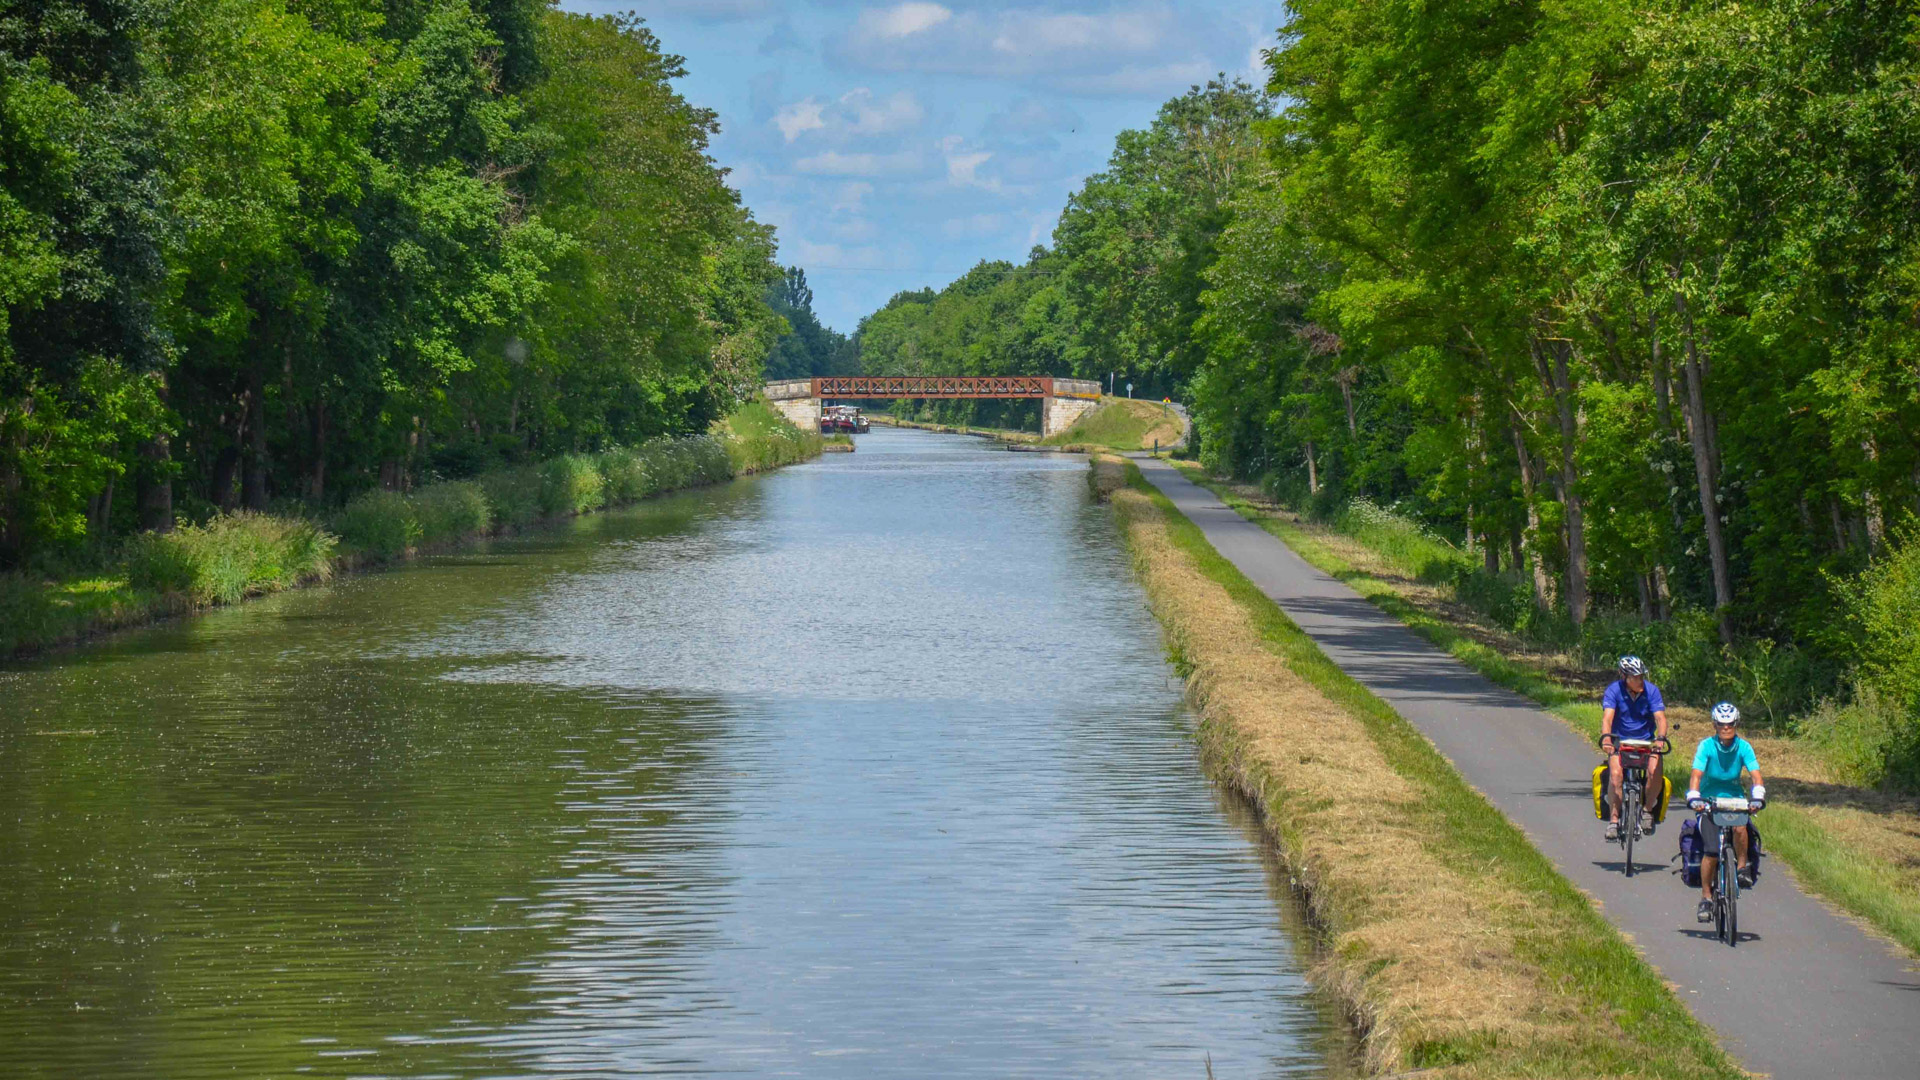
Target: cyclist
[(1716, 773), (1631, 709)]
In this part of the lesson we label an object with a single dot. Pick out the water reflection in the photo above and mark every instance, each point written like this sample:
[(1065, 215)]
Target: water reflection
[(867, 768)]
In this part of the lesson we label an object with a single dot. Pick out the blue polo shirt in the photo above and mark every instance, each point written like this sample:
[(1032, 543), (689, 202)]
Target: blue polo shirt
[(1632, 713)]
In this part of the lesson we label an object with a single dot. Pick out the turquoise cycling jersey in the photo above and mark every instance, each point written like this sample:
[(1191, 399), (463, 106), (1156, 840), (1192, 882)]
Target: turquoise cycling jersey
[(1720, 766)]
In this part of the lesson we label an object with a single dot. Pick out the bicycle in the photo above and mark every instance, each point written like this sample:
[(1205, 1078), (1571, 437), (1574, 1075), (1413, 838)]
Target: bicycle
[(1635, 754), (1728, 813)]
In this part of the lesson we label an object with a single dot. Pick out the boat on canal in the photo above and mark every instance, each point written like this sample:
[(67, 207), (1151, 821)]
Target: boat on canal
[(843, 419)]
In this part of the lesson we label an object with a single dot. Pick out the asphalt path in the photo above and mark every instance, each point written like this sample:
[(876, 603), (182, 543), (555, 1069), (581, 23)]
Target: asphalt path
[(1806, 994)]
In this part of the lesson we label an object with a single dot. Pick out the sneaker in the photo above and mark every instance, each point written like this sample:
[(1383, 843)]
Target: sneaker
[(1704, 913), (1746, 877), (1646, 823), (1613, 830)]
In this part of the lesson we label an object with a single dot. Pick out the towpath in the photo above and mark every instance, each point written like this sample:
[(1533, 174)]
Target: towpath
[(1806, 994)]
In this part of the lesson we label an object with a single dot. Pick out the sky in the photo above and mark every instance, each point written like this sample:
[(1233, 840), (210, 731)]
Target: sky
[(895, 145)]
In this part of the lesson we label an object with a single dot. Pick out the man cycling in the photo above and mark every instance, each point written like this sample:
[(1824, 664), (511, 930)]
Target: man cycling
[(1631, 709), (1716, 773)]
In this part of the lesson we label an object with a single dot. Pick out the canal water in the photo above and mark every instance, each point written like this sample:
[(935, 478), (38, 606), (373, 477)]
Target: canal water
[(872, 767)]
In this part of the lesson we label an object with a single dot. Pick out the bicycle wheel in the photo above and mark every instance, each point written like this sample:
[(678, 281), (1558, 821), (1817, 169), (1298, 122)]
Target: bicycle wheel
[(1630, 825), (1732, 896)]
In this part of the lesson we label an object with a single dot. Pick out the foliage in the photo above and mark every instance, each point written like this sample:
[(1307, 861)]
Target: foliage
[(571, 484), (809, 348), (452, 510), (254, 251), (382, 524), (757, 437), (230, 557)]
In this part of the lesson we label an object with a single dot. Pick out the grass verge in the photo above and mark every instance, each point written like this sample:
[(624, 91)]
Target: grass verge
[(1123, 424), (234, 556), (1456, 945), (1857, 848)]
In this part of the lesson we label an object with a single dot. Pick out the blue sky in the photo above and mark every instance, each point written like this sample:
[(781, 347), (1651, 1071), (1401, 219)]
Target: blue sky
[(895, 144)]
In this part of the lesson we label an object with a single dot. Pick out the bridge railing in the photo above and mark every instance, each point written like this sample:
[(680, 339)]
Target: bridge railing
[(933, 386)]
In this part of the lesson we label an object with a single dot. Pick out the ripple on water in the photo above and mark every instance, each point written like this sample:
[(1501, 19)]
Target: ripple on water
[(871, 767)]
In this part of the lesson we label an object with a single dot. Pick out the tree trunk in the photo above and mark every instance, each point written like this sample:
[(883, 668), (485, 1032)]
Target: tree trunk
[(154, 490), (1870, 497), (1704, 471), (1313, 471), (253, 474), (1662, 379), (100, 512), (317, 478), (1542, 588), (225, 465), (1562, 382), (1642, 585)]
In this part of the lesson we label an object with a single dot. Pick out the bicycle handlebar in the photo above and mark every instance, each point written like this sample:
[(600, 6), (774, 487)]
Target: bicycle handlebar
[(1661, 746)]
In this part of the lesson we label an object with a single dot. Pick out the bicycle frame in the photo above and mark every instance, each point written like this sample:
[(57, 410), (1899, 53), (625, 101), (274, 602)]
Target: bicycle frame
[(1636, 756), (1726, 877)]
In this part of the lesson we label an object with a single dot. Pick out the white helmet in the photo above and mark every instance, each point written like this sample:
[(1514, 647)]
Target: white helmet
[(1632, 666), (1724, 714)]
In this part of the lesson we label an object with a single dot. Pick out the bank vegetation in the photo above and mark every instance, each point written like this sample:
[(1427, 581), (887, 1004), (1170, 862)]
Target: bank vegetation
[(1452, 941), (232, 556)]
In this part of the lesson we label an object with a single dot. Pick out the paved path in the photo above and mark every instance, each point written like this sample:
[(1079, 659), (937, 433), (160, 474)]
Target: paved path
[(1806, 995)]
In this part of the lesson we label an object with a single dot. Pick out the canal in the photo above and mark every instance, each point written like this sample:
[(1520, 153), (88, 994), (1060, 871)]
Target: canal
[(869, 767)]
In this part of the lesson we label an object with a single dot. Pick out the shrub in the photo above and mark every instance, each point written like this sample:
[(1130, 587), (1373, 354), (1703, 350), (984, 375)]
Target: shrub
[(570, 484), (756, 437), (514, 494), (1868, 741), (625, 472), (230, 557), (451, 510), (1884, 606), (383, 524), (686, 462)]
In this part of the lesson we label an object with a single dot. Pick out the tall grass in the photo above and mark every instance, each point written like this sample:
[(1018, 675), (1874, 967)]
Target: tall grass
[(756, 437), (571, 484), (230, 557)]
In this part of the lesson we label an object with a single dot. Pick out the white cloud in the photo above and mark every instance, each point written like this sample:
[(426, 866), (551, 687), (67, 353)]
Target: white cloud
[(1144, 48), (707, 10), (835, 163), (858, 114), (903, 20), (963, 164), (799, 118), (851, 198)]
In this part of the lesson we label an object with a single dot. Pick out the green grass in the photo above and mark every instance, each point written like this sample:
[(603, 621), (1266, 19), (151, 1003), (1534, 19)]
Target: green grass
[(1120, 424), (230, 557), (756, 437), (1861, 882), (239, 555), (1596, 965)]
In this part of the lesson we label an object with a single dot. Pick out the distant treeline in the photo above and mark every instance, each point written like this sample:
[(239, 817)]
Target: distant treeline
[(1619, 296), (264, 250)]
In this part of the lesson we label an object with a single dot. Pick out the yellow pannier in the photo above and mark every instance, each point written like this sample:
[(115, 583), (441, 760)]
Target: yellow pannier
[(1658, 807)]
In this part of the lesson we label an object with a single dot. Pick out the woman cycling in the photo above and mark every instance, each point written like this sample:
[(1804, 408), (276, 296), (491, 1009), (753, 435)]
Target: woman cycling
[(1716, 774)]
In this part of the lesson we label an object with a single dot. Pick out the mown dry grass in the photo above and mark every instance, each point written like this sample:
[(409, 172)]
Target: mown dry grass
[(1856, 848), (1455, 945)]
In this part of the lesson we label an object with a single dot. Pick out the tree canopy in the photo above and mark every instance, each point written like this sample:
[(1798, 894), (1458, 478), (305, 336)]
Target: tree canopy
[(261, 250)]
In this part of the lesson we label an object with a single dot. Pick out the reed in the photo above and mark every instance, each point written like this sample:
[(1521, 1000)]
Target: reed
[(230, 557)]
